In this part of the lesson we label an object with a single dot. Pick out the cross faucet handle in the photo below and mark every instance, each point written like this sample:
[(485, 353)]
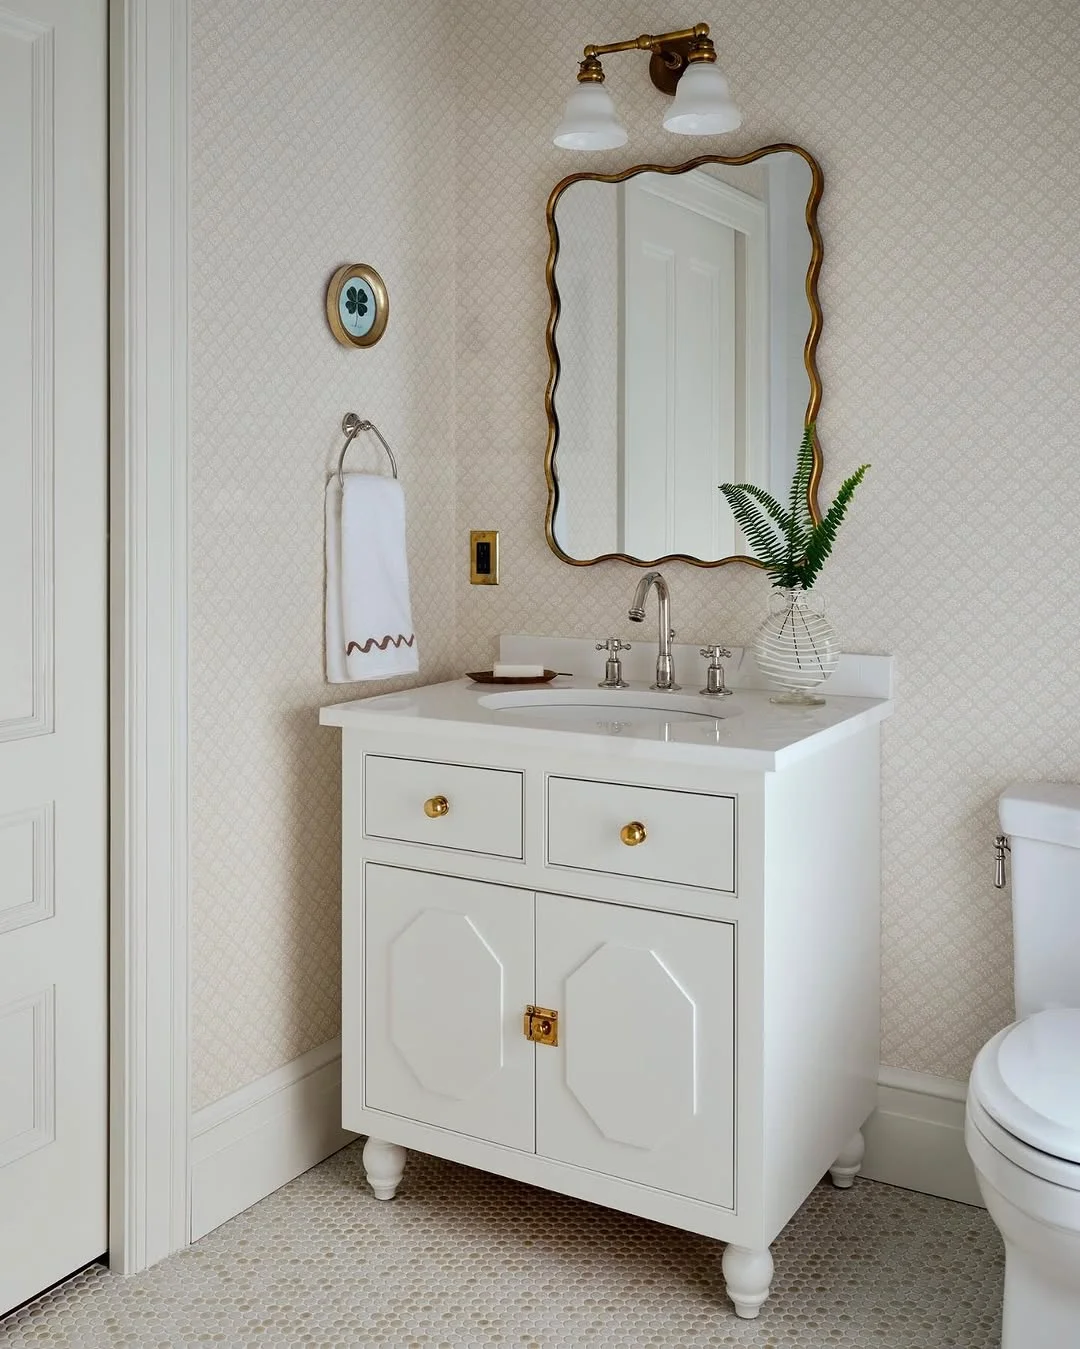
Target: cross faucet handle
[(715, 684), (613, 668)]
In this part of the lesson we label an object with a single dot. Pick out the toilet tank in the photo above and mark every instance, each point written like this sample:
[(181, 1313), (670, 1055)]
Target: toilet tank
[(1042, 820)]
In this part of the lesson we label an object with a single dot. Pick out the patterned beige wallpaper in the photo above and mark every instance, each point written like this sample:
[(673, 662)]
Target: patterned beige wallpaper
[(308, 149), (947, 131)]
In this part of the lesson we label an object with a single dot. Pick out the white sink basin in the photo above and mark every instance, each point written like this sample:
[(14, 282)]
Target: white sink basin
[(630, 712)]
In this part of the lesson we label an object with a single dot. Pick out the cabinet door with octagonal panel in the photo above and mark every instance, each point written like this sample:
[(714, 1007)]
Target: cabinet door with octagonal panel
[(448, 969), (642, 1082)]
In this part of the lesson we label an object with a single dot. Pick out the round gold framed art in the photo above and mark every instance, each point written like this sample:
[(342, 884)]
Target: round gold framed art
[(357, 305)]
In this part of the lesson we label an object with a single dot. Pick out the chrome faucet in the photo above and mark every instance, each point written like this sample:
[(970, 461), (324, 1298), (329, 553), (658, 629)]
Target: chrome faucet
[(665, 662)]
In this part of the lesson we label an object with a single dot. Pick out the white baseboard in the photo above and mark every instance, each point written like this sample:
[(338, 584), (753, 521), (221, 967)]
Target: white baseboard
[(915, 1138), (252, 1142)]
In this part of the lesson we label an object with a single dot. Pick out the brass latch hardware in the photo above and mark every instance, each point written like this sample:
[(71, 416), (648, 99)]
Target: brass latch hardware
[(542, 1025)]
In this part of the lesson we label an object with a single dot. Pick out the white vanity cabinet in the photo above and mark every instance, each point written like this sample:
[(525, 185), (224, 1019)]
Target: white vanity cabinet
[(645, 978), (640, 1083), (644, 1088)]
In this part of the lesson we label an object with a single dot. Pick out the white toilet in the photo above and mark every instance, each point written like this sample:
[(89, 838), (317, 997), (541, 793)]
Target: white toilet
[(1023, 1106)]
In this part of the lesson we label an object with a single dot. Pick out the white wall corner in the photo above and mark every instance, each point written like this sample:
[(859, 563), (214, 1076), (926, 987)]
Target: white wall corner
[(915, 1137), (250, 1143)]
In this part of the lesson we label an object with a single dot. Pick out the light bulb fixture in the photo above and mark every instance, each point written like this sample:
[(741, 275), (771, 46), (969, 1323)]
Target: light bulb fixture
[(589, 121), (683, 63)]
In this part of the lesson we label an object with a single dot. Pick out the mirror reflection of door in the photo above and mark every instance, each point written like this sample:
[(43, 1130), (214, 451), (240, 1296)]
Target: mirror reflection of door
[(682, 322), (693, 339)]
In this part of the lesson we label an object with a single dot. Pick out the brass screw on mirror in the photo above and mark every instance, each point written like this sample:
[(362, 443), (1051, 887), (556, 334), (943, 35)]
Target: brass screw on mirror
[(633, 833), (436, 807)]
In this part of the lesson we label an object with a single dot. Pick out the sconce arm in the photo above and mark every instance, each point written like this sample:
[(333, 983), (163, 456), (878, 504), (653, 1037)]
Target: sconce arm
[(648, 42)]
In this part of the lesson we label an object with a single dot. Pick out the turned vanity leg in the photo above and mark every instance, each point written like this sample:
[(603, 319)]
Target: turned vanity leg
[(748, 1275), (846, 1167), (384, 1165)]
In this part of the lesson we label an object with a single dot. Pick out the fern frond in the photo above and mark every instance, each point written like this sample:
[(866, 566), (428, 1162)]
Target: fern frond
[(760, 532), (800, 521), (755, 525), (800, 482), (823, 535), (767, 500), (787, 543)]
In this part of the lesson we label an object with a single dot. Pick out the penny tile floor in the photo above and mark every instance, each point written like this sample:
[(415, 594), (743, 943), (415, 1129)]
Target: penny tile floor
[(462, 1258)]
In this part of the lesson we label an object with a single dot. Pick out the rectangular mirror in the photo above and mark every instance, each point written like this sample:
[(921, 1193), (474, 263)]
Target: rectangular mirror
[(684, 321)]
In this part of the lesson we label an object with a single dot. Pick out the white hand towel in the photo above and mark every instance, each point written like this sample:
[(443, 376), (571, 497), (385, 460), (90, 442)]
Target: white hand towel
[(369, 631)]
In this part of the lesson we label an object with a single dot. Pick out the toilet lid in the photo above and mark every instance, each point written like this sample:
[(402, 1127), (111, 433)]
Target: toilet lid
[(1028, 1079)]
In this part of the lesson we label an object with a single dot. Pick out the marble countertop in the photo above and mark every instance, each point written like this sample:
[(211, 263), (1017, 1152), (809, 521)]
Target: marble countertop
[(744, 731)]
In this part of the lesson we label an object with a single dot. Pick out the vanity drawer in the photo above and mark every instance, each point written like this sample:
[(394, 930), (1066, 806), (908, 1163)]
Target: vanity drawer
[(444, 805), (689, 837)]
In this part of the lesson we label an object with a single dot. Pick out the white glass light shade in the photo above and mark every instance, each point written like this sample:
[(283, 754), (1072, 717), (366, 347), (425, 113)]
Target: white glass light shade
[(702, 105), (589, 122)]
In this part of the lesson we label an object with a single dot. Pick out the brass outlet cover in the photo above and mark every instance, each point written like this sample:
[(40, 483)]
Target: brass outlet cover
[(484, 557)]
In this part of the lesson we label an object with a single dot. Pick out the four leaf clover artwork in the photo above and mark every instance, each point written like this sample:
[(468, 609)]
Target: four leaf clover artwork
[(357, 305), (356, 302)]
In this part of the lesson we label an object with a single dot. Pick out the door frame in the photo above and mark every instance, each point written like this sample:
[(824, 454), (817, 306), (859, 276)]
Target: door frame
[(149, 1093)]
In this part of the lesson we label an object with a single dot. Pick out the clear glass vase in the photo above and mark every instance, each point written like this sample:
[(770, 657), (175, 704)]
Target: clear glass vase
[(796, 647)]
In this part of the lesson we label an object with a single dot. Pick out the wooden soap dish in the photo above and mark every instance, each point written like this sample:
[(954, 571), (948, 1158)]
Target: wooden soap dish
[(486, 677)]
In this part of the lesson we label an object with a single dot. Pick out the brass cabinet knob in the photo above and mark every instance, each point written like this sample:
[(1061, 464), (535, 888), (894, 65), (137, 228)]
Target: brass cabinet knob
[(633, 833), (435, 807)]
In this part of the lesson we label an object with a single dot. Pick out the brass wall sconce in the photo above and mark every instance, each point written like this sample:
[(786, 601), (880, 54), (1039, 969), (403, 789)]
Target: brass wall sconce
[(683, 63)]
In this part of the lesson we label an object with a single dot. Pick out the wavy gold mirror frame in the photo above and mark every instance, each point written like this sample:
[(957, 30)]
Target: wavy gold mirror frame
[(809, 351)]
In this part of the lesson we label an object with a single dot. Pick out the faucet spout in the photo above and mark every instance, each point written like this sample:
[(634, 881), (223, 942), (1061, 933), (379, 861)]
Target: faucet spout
[(665, 662)]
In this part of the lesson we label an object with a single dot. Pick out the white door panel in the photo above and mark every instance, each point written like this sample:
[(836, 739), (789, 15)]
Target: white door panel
[(26, 375), (53, 479), (26, 866), (641, 1084), (448, 970), (680, 378)]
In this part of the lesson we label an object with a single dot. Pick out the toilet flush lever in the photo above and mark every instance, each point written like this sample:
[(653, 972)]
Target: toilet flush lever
[(1001, 847)]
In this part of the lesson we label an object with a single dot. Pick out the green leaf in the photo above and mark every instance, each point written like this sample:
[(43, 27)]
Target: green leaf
[(800, 482), (760, 532), (823, 535), (788, 544), (800, 521), (769, 502)]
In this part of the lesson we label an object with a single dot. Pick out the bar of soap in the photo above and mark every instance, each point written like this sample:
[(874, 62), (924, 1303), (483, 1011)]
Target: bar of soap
[(501, 670)]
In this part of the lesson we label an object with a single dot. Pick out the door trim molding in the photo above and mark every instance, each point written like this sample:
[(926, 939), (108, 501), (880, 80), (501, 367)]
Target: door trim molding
[(149, 1090)]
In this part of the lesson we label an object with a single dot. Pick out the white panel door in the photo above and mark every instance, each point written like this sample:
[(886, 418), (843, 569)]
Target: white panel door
[(679, 377), (642, 1083), (448, 973), (53, 478)]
